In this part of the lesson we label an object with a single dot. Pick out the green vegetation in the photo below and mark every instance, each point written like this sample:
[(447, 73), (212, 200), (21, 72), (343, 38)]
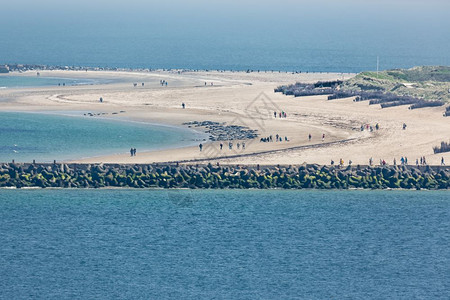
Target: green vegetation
[(428, 83)]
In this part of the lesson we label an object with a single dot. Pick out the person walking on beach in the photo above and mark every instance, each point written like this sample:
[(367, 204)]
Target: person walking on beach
[(370, 161), (323, 137), (221, 146), (134, 152), (201, 147), (309, 137), (243, 145), (442, 161), (183, 105), (131, 152)]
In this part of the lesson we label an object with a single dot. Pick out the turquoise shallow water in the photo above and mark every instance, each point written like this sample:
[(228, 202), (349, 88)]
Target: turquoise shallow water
[(28, 81), (46, 137), (201, 244)]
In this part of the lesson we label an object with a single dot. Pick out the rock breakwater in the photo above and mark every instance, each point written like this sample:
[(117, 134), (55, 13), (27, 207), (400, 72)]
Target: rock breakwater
[(222, 177)]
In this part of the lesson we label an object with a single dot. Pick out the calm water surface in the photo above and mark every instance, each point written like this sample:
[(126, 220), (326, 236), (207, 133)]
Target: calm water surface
[(35, 81), (46, 137), (200, 244), (329, 36)]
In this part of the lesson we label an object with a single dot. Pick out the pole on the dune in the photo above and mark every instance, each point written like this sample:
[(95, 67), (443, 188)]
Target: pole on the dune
[(378, 64)]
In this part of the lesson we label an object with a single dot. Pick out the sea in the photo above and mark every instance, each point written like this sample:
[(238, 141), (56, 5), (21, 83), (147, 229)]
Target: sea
[(307, 36), (62, 136), (226, 244), (12, 81)]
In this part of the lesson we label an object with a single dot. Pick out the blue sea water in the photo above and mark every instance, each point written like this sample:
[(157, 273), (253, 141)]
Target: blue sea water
[(204, 244), (46, 137), (35, 81), (323, 35)]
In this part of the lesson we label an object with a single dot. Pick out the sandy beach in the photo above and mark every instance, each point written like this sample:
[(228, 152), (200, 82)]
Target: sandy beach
[(248, 100)]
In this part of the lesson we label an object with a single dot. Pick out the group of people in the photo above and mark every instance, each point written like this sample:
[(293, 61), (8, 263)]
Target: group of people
[(369, 127), (404, 161), (278, 138), (230, 145), (423, 161), (163, 82), (281, 114), (133, 152), (310, 137), (239, 145), (341, 162)]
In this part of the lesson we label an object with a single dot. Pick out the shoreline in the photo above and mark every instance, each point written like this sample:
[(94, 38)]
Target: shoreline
[(239, 99)]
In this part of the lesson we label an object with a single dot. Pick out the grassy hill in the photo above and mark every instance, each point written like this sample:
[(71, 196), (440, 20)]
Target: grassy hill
[(428, 83)]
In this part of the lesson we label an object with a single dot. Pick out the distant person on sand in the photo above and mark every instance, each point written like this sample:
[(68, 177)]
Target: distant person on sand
[(323, 137), (404, 126), (131, 152), (309, 137), (183, 105), (134, 152), (243, 146), (442, 161), (200, 146), (221, 146)]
